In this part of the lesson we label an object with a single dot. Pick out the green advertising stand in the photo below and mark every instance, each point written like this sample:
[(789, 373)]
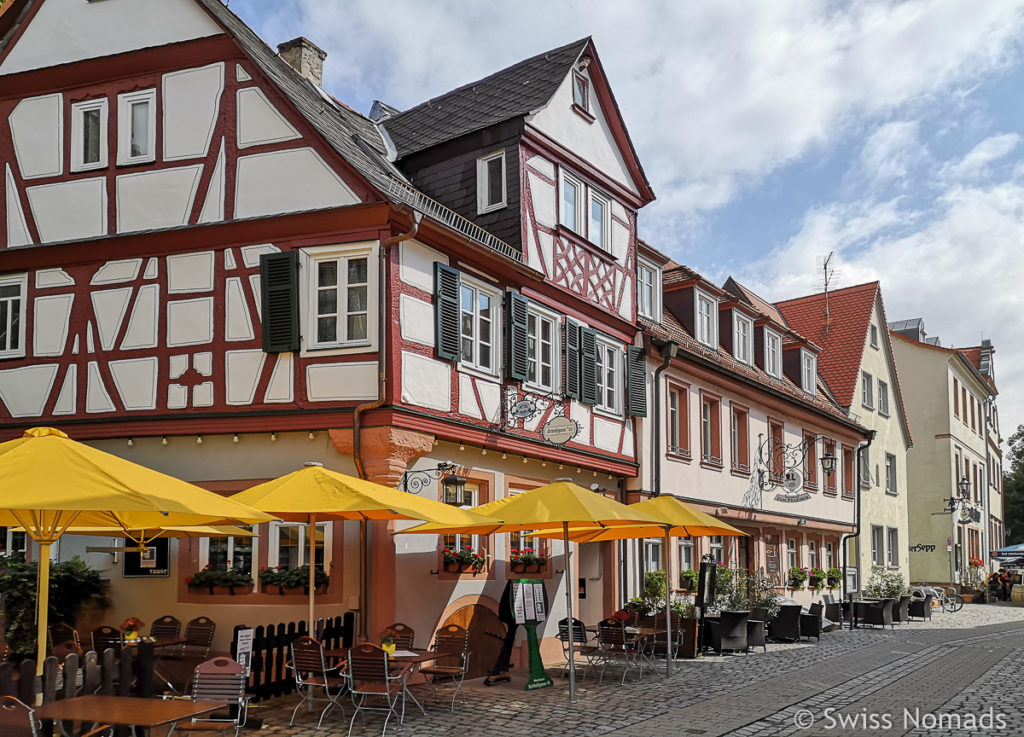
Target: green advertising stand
[(529, 604)]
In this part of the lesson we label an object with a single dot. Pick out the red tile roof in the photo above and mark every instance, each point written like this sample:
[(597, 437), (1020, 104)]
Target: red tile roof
[(841, 335)]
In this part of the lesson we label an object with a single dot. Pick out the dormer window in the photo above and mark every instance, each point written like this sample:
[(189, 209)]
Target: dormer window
[(490, 182), (772, 353), (580, 91), (706, 319), (808, 371), (89, 135), (648, 290), (742, 338)]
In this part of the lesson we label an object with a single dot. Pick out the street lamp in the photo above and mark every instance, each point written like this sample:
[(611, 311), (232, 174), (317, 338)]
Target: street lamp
[(453, 486)]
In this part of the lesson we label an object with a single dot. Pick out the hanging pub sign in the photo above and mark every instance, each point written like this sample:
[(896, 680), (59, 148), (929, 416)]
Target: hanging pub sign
[(524, 409), (793, 483), (559, 430), (153, 561)]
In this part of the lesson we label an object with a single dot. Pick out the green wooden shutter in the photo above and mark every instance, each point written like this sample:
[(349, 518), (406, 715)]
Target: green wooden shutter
[(447, 284), (588, 365), (279, 291), (571, 384), (636, 386), (517, 365)]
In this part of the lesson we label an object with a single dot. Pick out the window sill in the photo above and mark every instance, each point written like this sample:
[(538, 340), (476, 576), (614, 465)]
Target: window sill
[(605, 412), (681, 455), (831, 492), (127, 163), (340, 349), (479, 373), (867, 407), (741, 471), (711, 464), (892, 493), (583, 113), (492, 208), (10, 356), (883, 414), (548, 392), (571, 235)]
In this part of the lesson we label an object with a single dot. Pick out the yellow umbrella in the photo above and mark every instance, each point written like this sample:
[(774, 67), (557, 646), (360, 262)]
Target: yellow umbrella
[(316, 493), (51, 483), (679, 519), (563, 503)]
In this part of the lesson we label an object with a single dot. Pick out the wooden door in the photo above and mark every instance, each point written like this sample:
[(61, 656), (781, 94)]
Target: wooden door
[(486, 633)]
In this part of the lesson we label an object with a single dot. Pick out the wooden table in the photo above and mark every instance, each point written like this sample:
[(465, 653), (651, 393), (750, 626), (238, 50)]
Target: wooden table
[(128, 711)]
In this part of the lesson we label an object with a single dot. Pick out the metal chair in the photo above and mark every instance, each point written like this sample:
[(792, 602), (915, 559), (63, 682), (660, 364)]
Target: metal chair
[(657, 643), (105, 636), (451, 643), (17, 719), (581, 644), (405, 635), (371, 675), (729, 632), (618, 645), (219, 679), (62, 632), (165, 626), (810, 624), (309, 666)]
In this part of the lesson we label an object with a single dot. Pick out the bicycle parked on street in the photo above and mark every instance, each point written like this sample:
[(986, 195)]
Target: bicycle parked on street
[(948, 598)]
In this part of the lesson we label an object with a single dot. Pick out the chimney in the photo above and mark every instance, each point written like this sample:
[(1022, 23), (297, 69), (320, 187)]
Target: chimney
[(305, 57)]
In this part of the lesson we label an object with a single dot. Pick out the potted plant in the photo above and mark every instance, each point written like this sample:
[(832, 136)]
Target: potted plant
[(211, 579), (526, 560), (832, 577), (817, 579), (271, 577), (886, 584), (464, 560), (797, 576), (295, 578), (389, 641), (132, 628), (688, 579)]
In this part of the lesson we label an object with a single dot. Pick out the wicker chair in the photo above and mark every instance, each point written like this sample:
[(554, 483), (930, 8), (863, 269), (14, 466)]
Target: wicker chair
[(729, 632), (757, 628), (618, 646), (451, 643), (591, 654), (833, 609), (786, 624), (309, 667), (810, 623), (875, 613), (920, 607), (223, 680), (901, 611), (370, 675), (406, 635)]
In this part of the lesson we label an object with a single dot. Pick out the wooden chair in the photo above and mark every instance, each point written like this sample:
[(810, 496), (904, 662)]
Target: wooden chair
[(198, 640), (17, 719), (370, 675), (106, 637), (219, 679), (165, 626), (311, 672), (581, 644), (618, 646), (62, 632), (451, 643), (406, 635)]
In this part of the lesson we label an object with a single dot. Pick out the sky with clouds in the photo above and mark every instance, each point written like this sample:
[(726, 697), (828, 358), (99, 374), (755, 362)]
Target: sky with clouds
[(773, 133)]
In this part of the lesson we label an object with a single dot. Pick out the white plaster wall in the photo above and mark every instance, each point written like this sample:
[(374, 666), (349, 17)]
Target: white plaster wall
[(37, 126), (287, 181), (50, 322), (242, 372), (341, 381), (416, 265), (543, 201), (24, 390), (191, 100), (426, 382), (259, 122), (116, 272), (69, 30), (17, 228), (70, 210), (190, 272), (593, 142), (136, 381), (156, 199), (190, 321), (417, 320)]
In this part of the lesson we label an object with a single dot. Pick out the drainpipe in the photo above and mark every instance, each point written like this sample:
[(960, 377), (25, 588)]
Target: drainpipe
[(844, 540), (986, 528), (357, 455)]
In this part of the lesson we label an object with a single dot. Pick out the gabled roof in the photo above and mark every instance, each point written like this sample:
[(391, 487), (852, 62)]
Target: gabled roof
[(840, 333), (513, 92)]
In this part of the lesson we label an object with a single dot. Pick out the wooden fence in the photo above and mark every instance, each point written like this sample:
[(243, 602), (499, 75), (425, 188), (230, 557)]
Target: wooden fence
[(271, 650)]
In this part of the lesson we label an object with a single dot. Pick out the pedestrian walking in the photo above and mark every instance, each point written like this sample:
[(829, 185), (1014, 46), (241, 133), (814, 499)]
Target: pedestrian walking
[(1004, 582)]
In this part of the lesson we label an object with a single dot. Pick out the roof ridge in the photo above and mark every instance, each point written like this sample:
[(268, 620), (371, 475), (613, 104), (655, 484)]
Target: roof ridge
[(876, 283)]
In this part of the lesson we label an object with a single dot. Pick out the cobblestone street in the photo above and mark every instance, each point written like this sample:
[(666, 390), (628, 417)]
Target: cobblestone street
[(954, 675)]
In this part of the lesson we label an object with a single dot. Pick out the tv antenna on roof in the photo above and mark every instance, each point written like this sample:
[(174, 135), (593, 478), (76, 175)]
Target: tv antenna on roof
[(827, 274)]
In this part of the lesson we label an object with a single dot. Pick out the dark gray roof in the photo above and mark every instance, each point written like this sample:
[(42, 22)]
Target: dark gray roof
[(511, 93)]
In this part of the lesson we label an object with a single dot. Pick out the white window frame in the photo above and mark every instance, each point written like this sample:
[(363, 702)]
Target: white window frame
[(686, 543), (274, 542), (772, 365), (867, 388), (716, 547), (830, 557), (124, 127), (605, 242), (873, 331), (473, 364), (878, 546), (792, 553), (78, 111), (7, 540), (576, 226), (653, 311), (674, 407), (483, 183), (892, 547), (808, 371), (653, 554), (742, 344), (586, 91), (701, 297), (534, 315), (891, 481), (20, 280), (606, 349), (883, 398), (309, 258), (461, 539), (204, 551), (812, 554)]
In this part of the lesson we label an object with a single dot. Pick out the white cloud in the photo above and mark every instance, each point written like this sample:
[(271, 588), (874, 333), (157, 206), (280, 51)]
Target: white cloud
[(891, 151), (975, 165)]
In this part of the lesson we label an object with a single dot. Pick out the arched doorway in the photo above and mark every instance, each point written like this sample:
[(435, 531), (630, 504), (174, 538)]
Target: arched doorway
[(486, 633)]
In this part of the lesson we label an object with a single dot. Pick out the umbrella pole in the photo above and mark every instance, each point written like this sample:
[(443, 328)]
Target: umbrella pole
[(568, 606), (312, 569), (42, 605), (668, 606)]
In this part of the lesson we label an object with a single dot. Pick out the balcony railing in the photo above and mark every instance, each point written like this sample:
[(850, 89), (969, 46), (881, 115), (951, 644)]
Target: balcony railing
[(446, 216)]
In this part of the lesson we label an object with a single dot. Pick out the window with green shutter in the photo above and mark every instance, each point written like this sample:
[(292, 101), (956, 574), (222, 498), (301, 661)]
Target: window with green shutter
[(279, 291), (588, 365), (571, 385), (517, 362), (636, 386), (446, 311)]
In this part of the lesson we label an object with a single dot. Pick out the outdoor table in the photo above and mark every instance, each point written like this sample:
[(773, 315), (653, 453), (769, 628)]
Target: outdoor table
[(409, 659), (128, 711)]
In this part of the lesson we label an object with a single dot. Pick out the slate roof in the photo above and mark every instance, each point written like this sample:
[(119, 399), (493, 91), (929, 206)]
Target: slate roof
[(511, 93)]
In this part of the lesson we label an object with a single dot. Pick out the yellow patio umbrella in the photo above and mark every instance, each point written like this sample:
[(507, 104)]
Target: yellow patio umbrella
[(678, 519), (51, 483), (315, 493), (561, 503)]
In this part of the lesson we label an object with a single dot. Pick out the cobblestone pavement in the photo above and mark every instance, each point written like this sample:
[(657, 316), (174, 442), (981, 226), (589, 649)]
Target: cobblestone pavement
[(956, 675)]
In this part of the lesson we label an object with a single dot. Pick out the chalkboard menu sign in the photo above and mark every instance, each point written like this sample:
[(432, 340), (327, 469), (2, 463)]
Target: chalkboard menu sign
[(155, 561)]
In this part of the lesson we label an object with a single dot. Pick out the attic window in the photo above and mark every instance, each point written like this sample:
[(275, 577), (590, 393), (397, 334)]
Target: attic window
[(808, 371), (580, 91), (490, 182)]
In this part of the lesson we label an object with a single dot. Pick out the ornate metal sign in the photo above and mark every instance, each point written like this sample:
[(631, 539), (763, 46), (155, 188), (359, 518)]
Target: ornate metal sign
[(524, 409), (559, 430), (792, 482)]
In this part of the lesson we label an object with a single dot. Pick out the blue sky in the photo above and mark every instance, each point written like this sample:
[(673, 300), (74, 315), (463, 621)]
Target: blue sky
[(772, 133)]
